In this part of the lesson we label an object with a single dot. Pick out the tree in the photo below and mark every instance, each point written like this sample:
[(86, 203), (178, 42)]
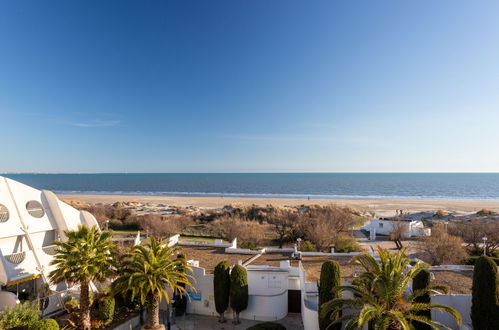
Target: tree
[(398, 231), (379, 297), (472, 232), (162, 226), (284, 222), (322, 224), (248, 233), (85, 257), (441, 248), (238, 290), (148, 272), (421, 283), (330, 279), (221, 285), (485, 295)]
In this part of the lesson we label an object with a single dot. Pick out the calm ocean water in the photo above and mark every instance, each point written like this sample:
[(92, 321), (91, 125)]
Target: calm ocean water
[(420, 186)]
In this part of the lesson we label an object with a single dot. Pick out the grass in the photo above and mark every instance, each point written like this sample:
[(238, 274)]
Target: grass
[(123, 232), (198, 239)]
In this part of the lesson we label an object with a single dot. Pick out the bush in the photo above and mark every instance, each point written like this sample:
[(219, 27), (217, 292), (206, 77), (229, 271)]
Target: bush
[(46, 324), (330, 278), (221, 285), (485, 295), (106, 309), (422, 282), (267, 326), (472, 260), (23, 316), (307, 246), (71, 303), (440, 213), (238, 290), (484, 212), (346, 244)]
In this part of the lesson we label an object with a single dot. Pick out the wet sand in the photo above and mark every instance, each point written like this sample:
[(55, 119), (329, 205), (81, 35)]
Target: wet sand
[(380, 207)]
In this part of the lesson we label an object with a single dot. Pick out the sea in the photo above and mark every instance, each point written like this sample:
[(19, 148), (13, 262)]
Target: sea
[(376, 186)]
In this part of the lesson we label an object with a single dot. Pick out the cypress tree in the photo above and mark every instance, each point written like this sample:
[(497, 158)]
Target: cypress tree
[(422, 282), (221, 285), (485, 295), (330, 278), (238, 290)]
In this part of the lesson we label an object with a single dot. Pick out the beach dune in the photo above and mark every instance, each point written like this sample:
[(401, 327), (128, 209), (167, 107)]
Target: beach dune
[(380, 207)]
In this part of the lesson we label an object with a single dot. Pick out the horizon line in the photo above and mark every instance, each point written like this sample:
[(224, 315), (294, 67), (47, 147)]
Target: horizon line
[(260, 172)]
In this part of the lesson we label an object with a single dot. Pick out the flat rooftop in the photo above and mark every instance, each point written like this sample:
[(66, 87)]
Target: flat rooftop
[(209, 257), (457, 282)]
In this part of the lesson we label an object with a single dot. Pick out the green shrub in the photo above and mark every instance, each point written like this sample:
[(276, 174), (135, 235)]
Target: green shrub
[(238, 290), (106, 309), (221, 285), (46, 324), (422, 282), (347, 244), (330, 278), (104, 291), (472, 260), (23, 316), (307, 246), (71, 303), (485, 295), (267, 326)]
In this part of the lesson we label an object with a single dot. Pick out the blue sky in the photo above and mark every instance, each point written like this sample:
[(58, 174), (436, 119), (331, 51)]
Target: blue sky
[(249, 86)]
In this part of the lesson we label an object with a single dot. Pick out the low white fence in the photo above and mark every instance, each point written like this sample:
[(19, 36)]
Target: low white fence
[(244, 251), (175, 240), (453, 268)]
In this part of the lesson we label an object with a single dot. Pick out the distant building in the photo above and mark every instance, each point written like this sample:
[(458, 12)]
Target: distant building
[(385, 226), (30, 221)]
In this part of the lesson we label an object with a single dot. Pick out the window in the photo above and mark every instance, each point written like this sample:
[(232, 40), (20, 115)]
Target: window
[(4, 213), (380, 225), (35, 209)]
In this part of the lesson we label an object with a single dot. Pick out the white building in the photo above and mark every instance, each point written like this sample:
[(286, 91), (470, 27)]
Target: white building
[(30, 221), (268, 289), (409, 227)]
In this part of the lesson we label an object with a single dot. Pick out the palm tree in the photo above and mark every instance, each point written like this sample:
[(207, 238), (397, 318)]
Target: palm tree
[(85, 257), (381, 298), (148, 272)]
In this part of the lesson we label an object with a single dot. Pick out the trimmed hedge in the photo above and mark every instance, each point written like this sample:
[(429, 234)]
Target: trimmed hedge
[(330, 278), (106, 309), (238, 289), (472, 260), (422, 282), (221, 285), (485, 295), (46, 324), (267, 326)]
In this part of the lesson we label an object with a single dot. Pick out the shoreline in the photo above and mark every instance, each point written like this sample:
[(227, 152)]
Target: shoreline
[(380, 207)]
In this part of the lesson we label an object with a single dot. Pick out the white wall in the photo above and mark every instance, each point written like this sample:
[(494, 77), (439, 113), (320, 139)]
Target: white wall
[(462, 303), (309, 313), (267, 288)]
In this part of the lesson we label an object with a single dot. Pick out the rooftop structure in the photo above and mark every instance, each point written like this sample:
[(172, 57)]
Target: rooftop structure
[(30, 221)]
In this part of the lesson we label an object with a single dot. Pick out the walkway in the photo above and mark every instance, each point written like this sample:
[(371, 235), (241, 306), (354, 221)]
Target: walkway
[(201, 322)]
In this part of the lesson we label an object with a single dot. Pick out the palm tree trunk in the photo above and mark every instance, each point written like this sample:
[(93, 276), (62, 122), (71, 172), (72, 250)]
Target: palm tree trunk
[(84, 306), (153, 311)]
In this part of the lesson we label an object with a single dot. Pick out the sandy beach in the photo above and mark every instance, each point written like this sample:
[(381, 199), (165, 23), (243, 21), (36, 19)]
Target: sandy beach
[(380, 207)]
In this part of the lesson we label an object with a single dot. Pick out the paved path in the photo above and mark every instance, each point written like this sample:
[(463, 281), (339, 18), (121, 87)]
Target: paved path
[(201, 322)]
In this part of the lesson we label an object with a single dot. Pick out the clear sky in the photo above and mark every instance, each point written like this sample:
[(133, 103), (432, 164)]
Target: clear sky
[(243, 86)]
